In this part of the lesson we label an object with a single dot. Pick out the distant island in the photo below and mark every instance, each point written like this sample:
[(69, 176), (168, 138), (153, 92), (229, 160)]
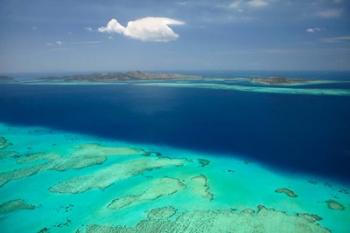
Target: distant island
[(6, 79), (141, 76), (278, 80), (120, 76), (157, 76)]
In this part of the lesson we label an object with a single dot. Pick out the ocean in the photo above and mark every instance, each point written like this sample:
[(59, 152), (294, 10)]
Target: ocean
[(274, 140)]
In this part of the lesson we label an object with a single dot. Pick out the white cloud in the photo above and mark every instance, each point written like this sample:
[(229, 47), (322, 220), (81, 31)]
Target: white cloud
[(183, 3), (330, 13), (113, 26), (145, 29), (258, 3), (235, 4), (312, 30), (56, 43), (59, 43), (89, 29), (241, 5)]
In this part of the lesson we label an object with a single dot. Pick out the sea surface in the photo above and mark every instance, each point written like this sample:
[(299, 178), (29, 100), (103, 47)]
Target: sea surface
[(246, 145)]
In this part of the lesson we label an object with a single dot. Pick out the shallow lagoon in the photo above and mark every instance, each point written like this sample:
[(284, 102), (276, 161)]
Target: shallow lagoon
[(229, 184)]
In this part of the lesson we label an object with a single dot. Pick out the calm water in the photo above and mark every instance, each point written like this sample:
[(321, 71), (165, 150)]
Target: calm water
[(294, 133)]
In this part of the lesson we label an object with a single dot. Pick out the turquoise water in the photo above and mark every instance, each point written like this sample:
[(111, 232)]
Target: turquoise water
[(232, 182)]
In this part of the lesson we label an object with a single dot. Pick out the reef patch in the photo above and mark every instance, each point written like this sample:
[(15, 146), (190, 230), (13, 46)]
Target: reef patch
[(8, 176), (287, 191), (256, 89), (311, 217), (199, 185), (105, 177), (334, 205), (44, 230), (85, 155), (7, 154), (149, 191), (162, 213), (99, 150), (4, 142), (262, 220), (39, 156), (15, 205), (203, 162)]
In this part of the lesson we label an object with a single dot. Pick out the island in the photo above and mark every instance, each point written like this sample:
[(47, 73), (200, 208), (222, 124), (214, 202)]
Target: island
[(118, 77), (170, 77), (279, 80), (4, 79)]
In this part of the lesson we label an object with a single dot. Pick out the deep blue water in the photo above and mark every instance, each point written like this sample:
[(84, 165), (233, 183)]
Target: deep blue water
[(296, 133)]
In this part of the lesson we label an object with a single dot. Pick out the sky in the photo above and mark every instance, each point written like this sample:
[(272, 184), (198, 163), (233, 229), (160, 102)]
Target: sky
[(160, 35)]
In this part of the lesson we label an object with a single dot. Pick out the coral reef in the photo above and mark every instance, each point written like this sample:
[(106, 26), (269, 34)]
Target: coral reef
[(99, 150), (212, 221), (15, 205), (4, 143), (162, 213), (114, 173), (287, 191), (334, 205), (8, 176), (44, 230), (256, 89), (199, 185), (203, 162), (40, 156), (7, 154), (149, 191), (85, 155), (311, 217)]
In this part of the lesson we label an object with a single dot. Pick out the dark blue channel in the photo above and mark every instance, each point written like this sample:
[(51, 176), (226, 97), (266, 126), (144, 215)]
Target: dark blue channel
[(295, 133)]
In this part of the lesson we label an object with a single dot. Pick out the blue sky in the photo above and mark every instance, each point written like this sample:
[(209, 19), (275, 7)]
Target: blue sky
[(58, 36)]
